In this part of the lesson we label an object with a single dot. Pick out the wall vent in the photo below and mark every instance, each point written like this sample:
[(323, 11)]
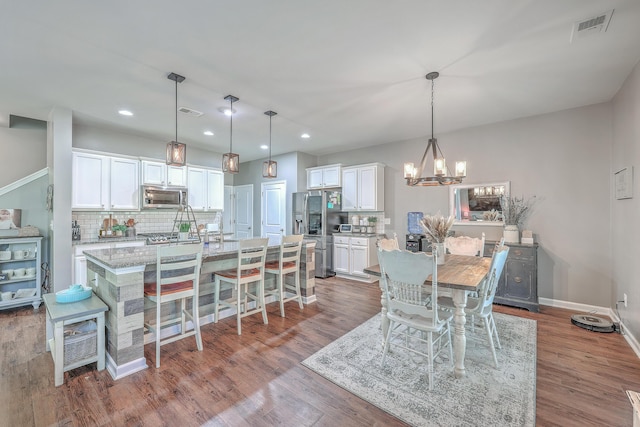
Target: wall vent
[(190, 111), (591, 26)]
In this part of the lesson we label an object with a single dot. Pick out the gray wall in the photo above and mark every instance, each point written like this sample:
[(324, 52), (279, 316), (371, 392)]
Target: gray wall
[(624, 213), (563, 158), (23, 153)]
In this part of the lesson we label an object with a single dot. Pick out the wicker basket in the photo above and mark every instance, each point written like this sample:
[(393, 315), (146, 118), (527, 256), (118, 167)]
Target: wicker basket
[(81, 345)]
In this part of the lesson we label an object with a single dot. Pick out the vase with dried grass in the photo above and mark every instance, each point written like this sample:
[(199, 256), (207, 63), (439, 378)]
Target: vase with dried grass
[(436, 228)]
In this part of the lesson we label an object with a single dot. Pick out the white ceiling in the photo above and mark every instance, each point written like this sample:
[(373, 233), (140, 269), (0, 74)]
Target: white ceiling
[(350, 73)]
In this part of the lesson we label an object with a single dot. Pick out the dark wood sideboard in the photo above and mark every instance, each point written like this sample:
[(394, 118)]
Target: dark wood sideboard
[(518, 285)]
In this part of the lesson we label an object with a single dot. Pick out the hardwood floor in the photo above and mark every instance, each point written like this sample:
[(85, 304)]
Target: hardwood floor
[(257, 379)]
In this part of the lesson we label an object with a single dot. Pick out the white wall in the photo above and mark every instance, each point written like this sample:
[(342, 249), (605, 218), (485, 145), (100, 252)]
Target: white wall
[(625, 227), (563, 158), (23, 153)]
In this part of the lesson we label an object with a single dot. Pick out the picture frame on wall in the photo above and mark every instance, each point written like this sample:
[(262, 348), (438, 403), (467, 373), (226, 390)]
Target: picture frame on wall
[(623, 182)]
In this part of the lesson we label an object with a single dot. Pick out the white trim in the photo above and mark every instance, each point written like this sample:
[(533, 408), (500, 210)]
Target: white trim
[(633, 341), (120, 371), (116, 271), (23, 181)]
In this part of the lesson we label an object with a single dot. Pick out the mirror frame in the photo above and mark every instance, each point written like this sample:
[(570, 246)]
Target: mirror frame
[(452, 201)]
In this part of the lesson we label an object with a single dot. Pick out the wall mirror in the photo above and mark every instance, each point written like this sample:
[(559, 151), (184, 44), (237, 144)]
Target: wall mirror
[(477, 204)]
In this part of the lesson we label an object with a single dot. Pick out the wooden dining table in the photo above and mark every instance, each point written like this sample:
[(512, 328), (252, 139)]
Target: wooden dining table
[(462, 274)]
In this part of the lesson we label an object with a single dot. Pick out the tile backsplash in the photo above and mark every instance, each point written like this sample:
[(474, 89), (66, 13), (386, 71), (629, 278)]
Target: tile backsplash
[(153, 221)]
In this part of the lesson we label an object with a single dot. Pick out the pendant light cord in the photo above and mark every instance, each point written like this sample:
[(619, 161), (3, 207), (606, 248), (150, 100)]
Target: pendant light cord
[(270, 117), (176, 110), (432, 95), (231, 126)]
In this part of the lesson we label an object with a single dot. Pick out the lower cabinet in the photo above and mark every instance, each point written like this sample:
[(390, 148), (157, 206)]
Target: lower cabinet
[(352, 255), (79, 261), (518, 286)]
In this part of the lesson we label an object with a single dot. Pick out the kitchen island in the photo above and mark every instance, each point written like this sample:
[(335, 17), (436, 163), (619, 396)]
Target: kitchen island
[(117, 276)]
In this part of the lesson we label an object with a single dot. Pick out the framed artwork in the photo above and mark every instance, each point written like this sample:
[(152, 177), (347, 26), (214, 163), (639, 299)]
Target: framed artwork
[(10, 218), (624, 183)]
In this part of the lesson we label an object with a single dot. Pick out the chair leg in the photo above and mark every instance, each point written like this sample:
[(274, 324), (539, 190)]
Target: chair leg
[(281, 293), (261, 300), (495, 330), (158, 329), (196, 321), (431, 361), (298, 291), (239, 304), (490, 338), (183, 317), (449, 344), (386, 343)]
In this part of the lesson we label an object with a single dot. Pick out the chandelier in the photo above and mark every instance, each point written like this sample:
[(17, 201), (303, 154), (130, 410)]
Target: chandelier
[(231, 160), (441, 174), (176, 151), (270, 167)]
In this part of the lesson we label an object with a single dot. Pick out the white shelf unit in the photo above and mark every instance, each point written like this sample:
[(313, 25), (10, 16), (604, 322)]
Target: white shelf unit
[(31, 258)]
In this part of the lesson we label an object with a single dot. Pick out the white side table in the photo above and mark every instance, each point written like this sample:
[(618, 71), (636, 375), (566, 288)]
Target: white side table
[(59, 315)]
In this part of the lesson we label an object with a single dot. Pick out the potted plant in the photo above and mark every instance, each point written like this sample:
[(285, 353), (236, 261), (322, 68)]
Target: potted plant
[(437, 227), (184, 231), (119, 229), (515, 211), (372, 224)]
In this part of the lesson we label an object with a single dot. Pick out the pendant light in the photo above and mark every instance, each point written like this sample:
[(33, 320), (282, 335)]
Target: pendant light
[(176, 151), (270, 167), (441, 175), (231, 160)]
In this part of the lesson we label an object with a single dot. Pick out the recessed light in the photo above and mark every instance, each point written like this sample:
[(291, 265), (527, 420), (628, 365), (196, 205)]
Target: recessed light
[(264, 147), (125, 112), (305, 136), (208, 133)]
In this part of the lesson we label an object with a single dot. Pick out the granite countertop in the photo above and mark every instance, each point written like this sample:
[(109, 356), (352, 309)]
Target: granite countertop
[(98, 240), (116, 258)]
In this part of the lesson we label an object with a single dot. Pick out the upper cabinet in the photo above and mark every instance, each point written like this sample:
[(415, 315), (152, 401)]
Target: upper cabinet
[(105, 182), (363, 187), (206, 189), (324, 176), (158, 173)]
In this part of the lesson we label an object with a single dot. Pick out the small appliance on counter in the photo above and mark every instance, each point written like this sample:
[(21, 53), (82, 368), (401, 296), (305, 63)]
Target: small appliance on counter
[(417, 243), (75, 231)]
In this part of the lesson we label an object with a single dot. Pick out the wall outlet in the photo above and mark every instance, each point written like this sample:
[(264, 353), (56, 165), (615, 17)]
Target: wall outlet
[(624, 298), (387, 221)]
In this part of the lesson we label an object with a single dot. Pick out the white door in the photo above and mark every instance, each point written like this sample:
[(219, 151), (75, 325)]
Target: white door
[(228, 214), (274, 209), (244, 211)]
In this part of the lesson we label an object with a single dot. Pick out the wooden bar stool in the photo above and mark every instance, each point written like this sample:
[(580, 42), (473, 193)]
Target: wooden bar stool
[(288, 262), (177, 278), (250, 269)]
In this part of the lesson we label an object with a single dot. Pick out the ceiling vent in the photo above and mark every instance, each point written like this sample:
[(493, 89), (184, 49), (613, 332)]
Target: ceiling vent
[(591, 26), (190, 111)]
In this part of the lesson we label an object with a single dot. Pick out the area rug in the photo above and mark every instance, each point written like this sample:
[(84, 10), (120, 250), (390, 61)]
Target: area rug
[(486, 396)]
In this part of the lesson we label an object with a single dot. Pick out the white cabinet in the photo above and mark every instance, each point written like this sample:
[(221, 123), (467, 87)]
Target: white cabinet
[(158, 173), (21, 273), (206, 189), (324, 176), (105, 182), (352, 255), (79, 261), (363, 187)]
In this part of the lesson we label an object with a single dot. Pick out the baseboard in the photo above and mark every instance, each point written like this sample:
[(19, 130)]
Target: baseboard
[(632, 340), (120, 371)]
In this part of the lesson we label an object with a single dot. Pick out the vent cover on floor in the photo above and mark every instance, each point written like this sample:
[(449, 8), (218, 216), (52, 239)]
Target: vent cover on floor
[(592, 323)]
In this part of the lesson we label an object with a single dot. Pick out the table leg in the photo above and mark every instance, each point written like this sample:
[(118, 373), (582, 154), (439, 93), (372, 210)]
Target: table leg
[(58, 357), (459, 338)]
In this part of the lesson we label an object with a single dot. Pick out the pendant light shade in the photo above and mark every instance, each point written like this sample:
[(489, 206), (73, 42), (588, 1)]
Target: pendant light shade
[(270, 167), (231, 160), (441, 175), (176, 151)]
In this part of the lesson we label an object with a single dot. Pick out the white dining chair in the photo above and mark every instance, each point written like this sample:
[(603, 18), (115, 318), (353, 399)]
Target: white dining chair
[(288, 262), (413, 322), (465, 245)]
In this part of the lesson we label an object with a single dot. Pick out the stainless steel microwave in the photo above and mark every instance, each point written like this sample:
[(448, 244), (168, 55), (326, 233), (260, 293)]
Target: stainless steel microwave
[(163, 197)]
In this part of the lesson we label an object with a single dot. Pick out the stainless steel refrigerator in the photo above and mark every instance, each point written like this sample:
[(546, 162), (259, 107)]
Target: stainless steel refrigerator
[(317, 214)]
